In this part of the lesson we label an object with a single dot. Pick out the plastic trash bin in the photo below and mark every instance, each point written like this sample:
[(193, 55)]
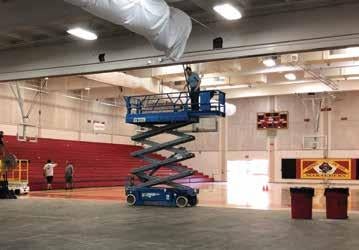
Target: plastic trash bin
[(302, 202), (337, 202)]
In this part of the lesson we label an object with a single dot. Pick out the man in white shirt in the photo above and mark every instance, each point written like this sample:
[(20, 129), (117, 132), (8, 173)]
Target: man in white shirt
[(49, 173)]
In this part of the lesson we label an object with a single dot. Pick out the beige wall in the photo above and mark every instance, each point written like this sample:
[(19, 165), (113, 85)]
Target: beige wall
[(237, 139), (249, 143), (65, 118), (244, 141), (242, 132), (207, 162)]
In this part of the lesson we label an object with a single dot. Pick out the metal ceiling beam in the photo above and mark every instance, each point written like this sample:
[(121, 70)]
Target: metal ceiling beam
[(258, 36), (267, 4)]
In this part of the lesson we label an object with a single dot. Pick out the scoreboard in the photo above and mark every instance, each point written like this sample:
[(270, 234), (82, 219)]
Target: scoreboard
[(272, 120)]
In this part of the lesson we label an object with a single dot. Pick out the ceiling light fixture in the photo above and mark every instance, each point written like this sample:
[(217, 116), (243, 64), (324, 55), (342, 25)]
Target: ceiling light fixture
[(83, 34), (269, 61), (290, 76), (228, 11)]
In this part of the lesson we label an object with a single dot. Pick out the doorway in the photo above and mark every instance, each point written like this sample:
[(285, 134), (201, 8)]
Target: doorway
[(247, 182)]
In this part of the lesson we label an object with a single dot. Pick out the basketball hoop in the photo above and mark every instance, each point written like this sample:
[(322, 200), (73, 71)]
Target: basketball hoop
[(27, 133)]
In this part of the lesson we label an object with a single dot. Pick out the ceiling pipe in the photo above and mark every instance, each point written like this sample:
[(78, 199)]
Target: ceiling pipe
[(166, 28), (132, 82)]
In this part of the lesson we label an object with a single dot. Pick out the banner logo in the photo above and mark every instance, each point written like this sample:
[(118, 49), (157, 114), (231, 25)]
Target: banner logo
[(336, 169)]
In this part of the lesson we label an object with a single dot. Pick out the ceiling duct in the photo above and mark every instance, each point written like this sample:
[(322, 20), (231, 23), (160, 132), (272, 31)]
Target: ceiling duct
[(166, 28), (132, 82)]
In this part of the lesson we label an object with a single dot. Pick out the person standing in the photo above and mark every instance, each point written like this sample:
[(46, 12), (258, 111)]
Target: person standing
[(49, 173), (193, 84), (69, 173)]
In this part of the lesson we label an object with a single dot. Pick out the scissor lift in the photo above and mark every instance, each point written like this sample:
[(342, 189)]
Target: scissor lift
[(158, 115)]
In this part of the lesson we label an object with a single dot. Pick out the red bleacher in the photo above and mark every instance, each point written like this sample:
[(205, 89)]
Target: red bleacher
[(96, 164)]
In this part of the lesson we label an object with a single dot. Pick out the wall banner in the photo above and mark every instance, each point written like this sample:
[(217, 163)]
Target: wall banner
[(335, 169)]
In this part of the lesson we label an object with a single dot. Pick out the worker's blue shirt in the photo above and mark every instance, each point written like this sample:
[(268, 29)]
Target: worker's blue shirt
[(193, 80)]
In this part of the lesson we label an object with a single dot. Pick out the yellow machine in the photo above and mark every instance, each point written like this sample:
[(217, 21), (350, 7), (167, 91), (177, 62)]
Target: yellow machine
[(18, 178)]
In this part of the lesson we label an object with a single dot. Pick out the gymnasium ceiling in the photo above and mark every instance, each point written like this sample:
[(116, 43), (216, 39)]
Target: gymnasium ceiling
[(27, 23), (38, 23), (328, 67), (319, 71)]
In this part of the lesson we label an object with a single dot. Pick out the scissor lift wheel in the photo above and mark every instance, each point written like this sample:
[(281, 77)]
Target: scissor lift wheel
[(131, 199), (182, 201)]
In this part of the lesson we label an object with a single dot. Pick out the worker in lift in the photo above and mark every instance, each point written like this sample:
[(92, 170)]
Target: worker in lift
[(193, 85)]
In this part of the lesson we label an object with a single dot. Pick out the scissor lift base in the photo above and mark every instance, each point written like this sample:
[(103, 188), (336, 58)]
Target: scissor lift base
[(161, 196)]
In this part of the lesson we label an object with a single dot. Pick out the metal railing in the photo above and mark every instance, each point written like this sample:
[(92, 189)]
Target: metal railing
[(19, 174), (213, 100)]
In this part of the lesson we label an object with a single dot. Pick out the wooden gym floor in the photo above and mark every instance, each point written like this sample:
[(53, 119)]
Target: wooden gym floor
[(213, 195)]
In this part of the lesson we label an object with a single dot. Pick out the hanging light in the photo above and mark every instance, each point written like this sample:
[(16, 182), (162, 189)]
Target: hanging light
[(82, 33), (290, 76), (228, 11), (269, 61)]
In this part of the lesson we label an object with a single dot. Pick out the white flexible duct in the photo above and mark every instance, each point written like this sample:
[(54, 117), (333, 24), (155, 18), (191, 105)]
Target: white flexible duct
[(166, 28)]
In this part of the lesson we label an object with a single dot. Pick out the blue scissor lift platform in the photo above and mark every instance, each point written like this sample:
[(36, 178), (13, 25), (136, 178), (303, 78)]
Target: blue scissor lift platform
[(165, 114)]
